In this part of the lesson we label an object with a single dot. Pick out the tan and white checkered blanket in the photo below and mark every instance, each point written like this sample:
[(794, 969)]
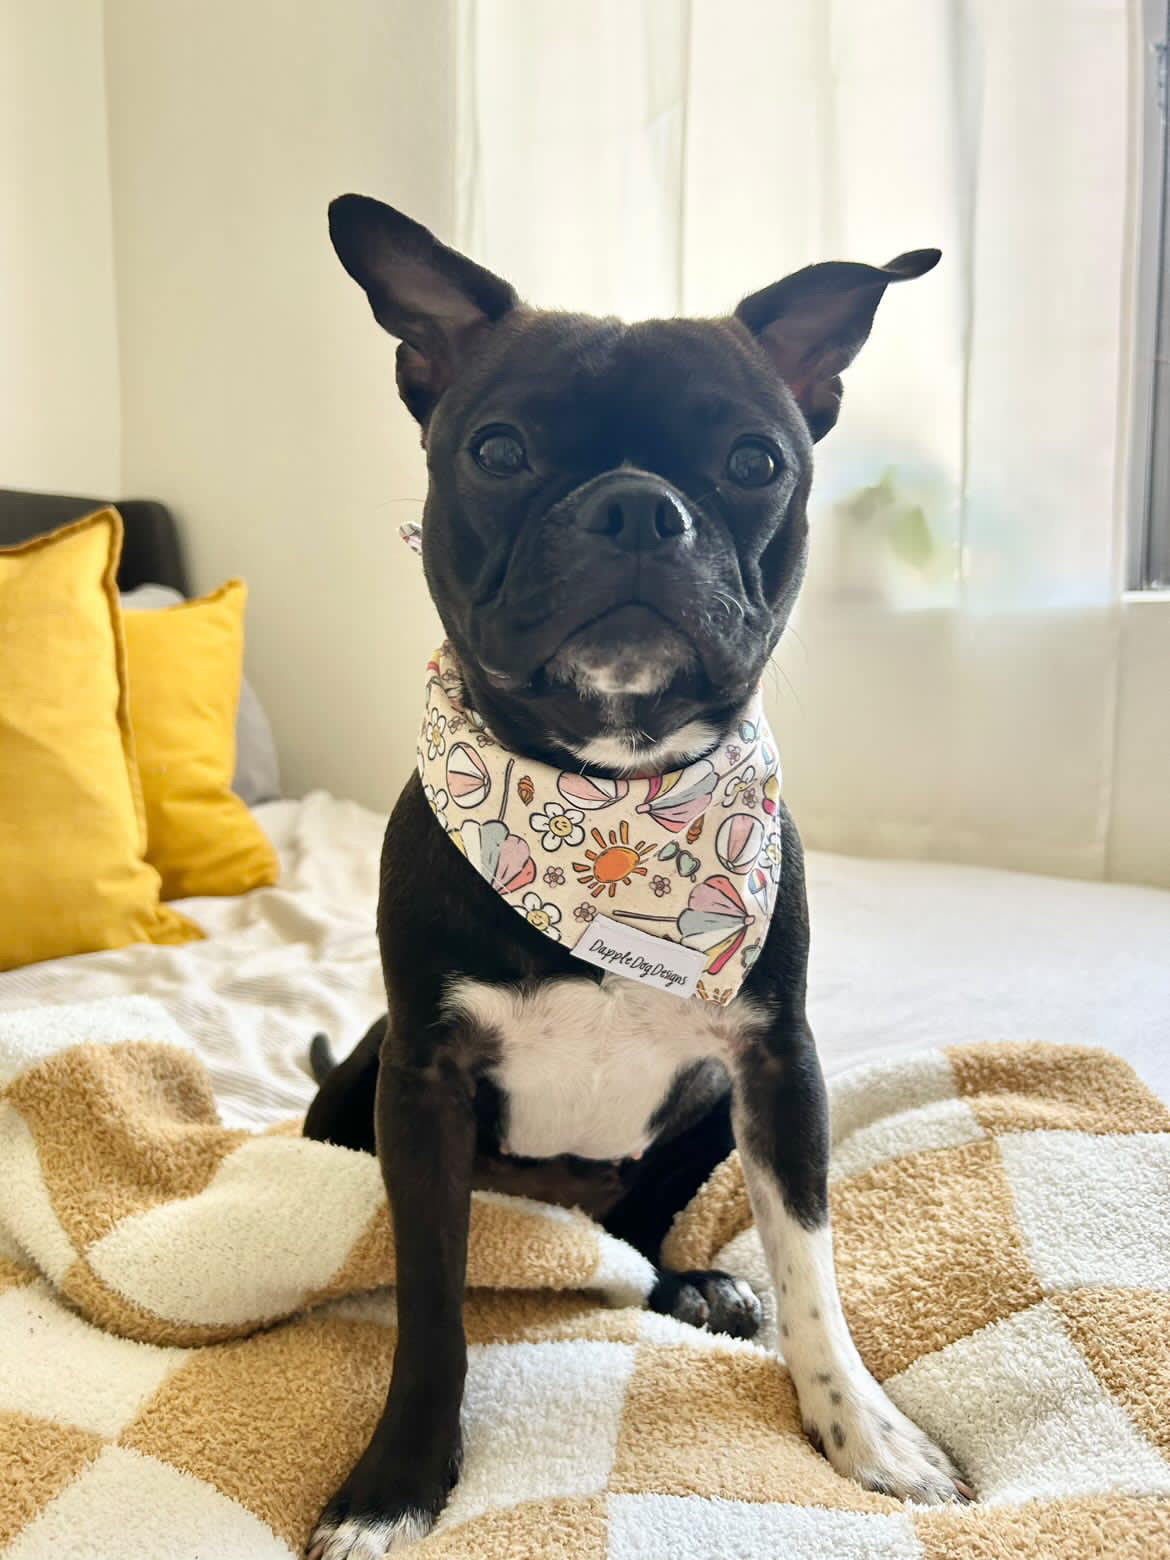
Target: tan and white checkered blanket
[(194, 1345)]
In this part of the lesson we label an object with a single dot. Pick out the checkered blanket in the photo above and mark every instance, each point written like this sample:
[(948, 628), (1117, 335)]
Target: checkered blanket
[(195, 1333)]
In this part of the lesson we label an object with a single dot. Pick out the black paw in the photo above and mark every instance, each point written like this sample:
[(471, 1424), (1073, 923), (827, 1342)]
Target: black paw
[(708, 1299)]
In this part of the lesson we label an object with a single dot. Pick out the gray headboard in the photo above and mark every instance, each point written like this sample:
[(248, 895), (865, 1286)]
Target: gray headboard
[(151, 553)]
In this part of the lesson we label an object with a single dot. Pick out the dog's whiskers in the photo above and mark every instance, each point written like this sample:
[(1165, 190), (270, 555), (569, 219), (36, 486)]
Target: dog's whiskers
[(774, 671)]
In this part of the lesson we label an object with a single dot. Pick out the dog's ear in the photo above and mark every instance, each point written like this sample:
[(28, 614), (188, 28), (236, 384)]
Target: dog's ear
[(434, 300), (813, 324)]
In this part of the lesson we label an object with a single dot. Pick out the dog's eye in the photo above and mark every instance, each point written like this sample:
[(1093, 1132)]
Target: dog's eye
[(751, 464), (499, 452)]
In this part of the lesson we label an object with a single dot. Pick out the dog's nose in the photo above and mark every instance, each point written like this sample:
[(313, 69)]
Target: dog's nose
[(634, 512)]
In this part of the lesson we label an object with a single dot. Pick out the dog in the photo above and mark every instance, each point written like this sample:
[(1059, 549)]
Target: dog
[(614, 535)]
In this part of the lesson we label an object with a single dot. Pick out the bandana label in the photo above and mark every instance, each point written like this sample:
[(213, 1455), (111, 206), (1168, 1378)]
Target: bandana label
[(669, 880), (651, 960)]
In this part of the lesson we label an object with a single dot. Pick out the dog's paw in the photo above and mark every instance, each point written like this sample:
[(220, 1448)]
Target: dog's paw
[(369, 1537), (710, 1299), (869, 1440), (392, 1498)]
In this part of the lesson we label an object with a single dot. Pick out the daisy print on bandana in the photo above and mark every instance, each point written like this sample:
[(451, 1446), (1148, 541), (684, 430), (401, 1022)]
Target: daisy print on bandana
[(542, 914), (558, 825), (772, 855), (433, 733), (437, 800)]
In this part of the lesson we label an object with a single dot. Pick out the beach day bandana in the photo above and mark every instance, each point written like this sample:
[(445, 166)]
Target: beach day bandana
[(669, 880)]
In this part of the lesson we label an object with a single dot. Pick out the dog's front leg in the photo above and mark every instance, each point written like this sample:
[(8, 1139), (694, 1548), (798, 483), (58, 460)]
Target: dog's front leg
[(782, 1131), (426, 1142)]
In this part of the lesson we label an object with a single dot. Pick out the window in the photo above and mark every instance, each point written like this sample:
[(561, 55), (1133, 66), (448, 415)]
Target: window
[(1150, 552)]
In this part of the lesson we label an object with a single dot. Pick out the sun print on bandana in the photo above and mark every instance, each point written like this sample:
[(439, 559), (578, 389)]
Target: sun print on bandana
[(614, 861), (690, 859)]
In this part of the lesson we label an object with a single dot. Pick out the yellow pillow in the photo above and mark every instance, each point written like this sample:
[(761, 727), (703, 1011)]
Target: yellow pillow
[(185, 664), (72, 831)]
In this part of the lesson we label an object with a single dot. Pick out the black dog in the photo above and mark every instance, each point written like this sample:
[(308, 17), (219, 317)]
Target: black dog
[(614, 536)]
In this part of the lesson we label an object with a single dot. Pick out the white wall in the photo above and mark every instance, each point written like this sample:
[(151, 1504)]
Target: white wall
[(258, 394), (59, 397), (875, 733)]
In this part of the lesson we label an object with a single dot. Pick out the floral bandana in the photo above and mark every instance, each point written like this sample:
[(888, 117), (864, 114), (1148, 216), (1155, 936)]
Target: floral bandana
[(667, 879)]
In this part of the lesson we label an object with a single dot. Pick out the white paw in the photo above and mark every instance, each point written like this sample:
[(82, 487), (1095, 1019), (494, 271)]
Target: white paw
[(869, 1440), (368, 1538)]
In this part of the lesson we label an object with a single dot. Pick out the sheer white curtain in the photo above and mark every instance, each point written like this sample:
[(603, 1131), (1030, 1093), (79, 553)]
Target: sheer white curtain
[(949, 689)]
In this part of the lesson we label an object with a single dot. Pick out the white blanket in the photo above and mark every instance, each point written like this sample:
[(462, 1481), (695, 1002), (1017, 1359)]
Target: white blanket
[(904, 955)]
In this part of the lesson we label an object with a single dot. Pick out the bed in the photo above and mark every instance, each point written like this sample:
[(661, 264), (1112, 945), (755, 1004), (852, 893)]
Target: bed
[(905, 955), (1063, 1432)]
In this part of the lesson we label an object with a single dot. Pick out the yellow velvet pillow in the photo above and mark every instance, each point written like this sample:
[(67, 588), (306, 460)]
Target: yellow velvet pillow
[(72, 831), (186, 663)]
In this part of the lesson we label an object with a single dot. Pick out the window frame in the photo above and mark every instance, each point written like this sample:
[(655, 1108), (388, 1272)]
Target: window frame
[(1149, 550)]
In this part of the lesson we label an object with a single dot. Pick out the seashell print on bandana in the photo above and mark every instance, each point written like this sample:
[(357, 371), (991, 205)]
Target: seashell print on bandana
[(667, 879)]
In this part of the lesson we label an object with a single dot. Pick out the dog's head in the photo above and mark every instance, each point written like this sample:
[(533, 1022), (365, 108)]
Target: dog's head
[(615, 529)]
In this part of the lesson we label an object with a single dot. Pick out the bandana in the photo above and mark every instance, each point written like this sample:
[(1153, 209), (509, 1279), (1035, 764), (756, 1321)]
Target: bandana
[(669, 880)]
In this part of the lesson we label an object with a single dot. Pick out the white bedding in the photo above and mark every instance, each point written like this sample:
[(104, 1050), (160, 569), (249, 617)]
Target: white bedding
[(277, 964), (905, 955)]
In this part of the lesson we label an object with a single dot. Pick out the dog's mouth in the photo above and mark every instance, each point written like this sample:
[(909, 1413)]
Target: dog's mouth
[(638, 696), (626, 650)]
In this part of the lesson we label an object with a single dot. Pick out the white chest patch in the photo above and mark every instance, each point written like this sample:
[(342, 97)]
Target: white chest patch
[(585, 1066)]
